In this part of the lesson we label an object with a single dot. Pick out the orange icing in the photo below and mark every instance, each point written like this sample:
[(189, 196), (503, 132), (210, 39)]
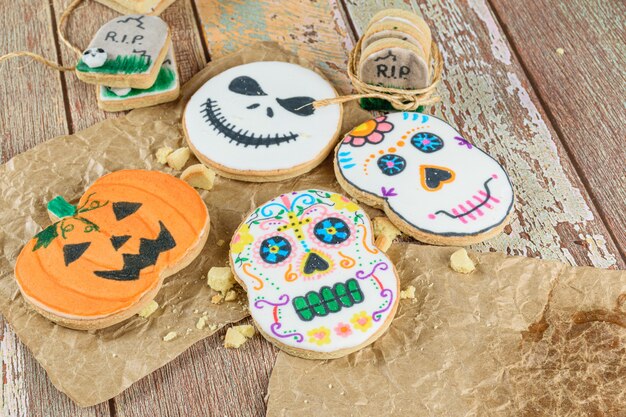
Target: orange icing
[(75, 290)]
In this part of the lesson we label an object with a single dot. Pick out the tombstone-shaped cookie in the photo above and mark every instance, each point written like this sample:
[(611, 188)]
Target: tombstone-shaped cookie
[(152, 7), (125, 52), (394, 63), (401, 17), (432, 183), (396, 30), (257, 122), (166, 88), (106, 257), (317, 286)]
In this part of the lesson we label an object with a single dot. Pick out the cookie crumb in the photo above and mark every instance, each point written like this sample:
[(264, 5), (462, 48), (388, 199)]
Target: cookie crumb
[(220, 242), (306, 401), (231, 295), (178, 158), (238, 335), (408, 292), (162, 153), (195, 311), (150, 308), (170, 336), (199, 176), (245, 329), (384, 232), (560, 51), (213, 327), (201, 323), (330, 386), (220, 278), (217, 298), (461, 262)]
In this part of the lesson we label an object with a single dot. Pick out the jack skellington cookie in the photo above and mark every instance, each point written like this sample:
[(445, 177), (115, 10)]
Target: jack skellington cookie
[(256, 122), (432, 183), (317, 286)]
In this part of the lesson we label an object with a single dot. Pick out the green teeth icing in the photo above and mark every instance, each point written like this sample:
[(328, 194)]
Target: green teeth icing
[(122, 64), (328, 300), (165, 81)]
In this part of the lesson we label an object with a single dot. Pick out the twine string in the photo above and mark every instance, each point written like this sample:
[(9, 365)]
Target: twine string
[(41, 59), (400, 99)]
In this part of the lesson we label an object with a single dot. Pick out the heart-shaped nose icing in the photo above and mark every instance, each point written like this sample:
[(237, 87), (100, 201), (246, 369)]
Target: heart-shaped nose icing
[(434, 177)]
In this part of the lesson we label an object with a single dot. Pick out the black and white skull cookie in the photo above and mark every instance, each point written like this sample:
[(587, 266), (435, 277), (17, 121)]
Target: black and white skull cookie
[(256, 122)]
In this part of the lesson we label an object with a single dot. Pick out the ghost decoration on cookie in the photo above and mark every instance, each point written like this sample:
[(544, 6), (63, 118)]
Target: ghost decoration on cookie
[(94, 57), (257, 121), (432, 183), (317, 286)]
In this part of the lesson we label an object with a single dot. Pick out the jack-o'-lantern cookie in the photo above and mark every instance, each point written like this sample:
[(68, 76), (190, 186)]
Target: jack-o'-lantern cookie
[(106, 257), (432, 183), (125, 52), (256, 122), (317, 286)]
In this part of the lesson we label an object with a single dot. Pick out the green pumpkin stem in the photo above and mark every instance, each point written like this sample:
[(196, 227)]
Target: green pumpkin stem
[(61, 208)]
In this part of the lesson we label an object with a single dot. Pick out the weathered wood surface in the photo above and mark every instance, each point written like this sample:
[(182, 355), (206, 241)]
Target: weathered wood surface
[(581, 90), (487, 94)]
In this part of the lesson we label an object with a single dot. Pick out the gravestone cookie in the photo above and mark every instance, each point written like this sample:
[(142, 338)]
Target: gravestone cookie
[(126, 52), (404, 17), (317, 286), (394, 63), (106, 257), (396, 30), (432, 183), (151, 7), (166, 88), (256, 122)]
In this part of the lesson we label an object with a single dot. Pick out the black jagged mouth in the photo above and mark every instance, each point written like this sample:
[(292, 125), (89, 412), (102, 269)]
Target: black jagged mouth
[(213, 116)]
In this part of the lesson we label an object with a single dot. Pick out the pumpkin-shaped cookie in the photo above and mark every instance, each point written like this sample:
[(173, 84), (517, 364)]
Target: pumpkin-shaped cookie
[(106, 257)]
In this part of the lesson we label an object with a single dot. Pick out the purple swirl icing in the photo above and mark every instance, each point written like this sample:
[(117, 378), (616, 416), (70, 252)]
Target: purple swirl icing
[(376, 315), (259, 303), (382, 265), (276, 326)]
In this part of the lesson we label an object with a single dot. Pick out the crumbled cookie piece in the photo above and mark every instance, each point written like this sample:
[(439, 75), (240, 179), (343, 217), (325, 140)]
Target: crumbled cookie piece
[(231, 295), (217, 298), (178, 158), (384, 232), (461, 262), (238, 335), (408, 292), (162, 153), (560, 51), (234, 339), (220, 242), (199, 176), (150, 308), (170, 336), (201, 323), (220, 278)]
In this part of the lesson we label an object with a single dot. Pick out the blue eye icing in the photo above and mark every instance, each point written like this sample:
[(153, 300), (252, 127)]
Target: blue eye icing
[(427, 142), (275, 250), (391, 164), (332, 231)]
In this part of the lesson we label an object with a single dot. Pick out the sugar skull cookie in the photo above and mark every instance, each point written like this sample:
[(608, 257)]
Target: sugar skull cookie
[(256, 122), (317, 286), (107, 256), (432, 183)]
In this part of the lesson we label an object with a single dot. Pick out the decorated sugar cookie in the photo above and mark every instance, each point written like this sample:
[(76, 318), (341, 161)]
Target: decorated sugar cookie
[(166, 88), (399, 16), (106, 257), (396, 30), (317, 286), (256, 122), (125, 52), (432, 183)]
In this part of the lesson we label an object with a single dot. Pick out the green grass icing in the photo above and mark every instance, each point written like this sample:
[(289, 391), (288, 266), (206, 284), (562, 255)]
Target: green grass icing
[(122, 64), (165, 81)]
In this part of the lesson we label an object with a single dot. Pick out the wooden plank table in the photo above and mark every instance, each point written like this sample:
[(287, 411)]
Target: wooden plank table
[(553, 120)]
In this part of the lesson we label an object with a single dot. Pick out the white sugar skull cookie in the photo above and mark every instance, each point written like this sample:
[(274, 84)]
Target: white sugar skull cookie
[(432, 183), (317, 286), (256, 122)]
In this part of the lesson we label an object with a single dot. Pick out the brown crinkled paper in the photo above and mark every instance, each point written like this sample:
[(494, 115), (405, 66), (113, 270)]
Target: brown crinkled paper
[(516, 337), (120, 355)]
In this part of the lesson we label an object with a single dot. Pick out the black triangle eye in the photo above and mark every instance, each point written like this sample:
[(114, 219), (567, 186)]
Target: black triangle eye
[(73, 251), (302, 106), (124, 209), (118, 241), (246, 86)]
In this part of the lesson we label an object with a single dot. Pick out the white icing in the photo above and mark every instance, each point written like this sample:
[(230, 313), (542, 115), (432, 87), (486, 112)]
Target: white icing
[(168, 63), (419, 205), (94, 57), (262, 224), (251, 114)]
